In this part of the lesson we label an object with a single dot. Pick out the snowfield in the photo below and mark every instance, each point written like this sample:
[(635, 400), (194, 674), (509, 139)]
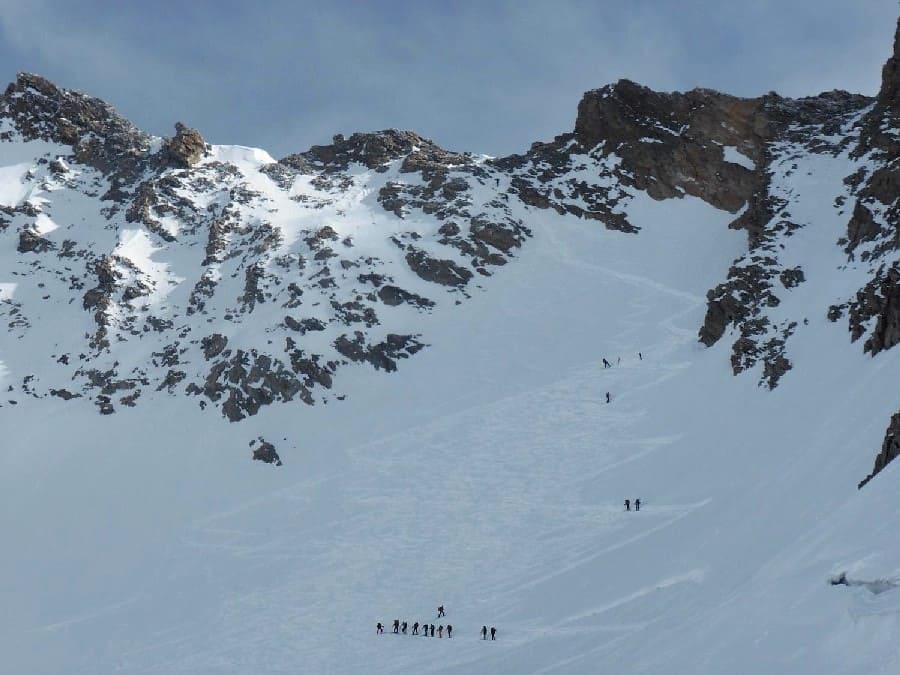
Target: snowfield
[(488, 475)]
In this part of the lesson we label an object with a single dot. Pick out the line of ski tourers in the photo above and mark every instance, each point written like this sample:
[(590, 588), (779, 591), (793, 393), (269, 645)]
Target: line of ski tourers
[(428, 629)]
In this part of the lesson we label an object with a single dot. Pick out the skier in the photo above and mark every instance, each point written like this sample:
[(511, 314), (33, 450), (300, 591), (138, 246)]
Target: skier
[(607, 397), (619, 361), (628, 505), (440, 611), (432, 630), (493, 633), (396, 625), (379, 629), (441, 631), (415, 628), (637, 504), (606, 364), (449, 630), (484, 632), (403, 628), (640, 357)]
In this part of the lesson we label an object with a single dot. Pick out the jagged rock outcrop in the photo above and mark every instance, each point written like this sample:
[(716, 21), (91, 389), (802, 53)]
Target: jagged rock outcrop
[(373, 150), (880, 300), (890, 449), (757, 282), (672, 144), (873, 231), (99, 137), (186, 148)]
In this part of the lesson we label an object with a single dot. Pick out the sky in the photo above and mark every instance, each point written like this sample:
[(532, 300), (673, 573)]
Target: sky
[(488, 76)]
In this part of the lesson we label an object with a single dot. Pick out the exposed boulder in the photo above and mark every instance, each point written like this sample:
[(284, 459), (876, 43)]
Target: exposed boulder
[(186, 148), (265, 452)]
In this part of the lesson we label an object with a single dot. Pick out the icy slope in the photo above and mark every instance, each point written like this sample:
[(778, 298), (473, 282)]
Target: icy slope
[(488, 476)]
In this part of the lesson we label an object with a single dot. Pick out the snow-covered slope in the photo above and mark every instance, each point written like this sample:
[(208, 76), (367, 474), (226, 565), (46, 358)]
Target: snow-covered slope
[(420, 334)]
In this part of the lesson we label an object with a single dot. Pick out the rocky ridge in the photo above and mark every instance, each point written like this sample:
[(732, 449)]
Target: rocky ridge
[(243, 280)]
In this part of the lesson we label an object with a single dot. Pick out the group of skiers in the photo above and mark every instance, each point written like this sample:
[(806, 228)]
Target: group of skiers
[(607, 364), (637, 505), (429, 629)]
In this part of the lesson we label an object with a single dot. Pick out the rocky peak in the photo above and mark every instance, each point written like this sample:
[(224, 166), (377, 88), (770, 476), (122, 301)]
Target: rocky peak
[(100, 137), (881, 124), (373, 149)]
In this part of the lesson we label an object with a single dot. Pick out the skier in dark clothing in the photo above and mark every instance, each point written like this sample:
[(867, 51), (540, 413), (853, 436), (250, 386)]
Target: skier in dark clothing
[(396, 625), (449, 630), (415, 628), (493, 633), (637, 504), (440, 611), (628, 505), (484, 632), (432, 630), (607, 397), (379, 629), (640, 357), (606, 364), (403, 628)]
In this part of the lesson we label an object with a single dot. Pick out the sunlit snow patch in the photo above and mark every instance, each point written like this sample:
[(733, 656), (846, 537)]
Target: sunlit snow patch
[(735, 156), (7, 291), (12, 188)]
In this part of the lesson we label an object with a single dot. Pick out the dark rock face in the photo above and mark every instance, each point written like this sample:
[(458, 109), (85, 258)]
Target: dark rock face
[(248, 380), (384, 355), (873, 231), (394, 295), (439, 271), (879, 299), (686, 156), (881, 123), (303, 326), (890, 449)]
